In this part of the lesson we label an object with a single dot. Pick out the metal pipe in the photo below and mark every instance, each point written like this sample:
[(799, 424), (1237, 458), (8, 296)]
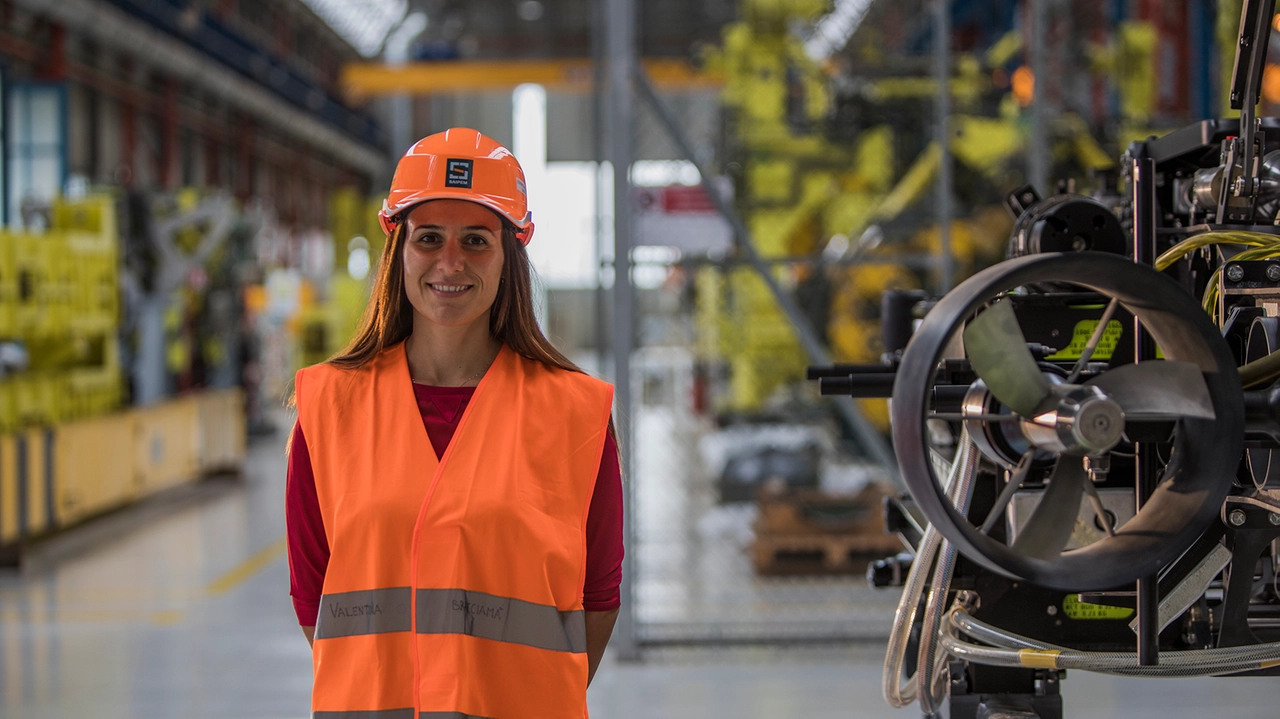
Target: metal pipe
[(620, 42), (942, 104), (870, 438)]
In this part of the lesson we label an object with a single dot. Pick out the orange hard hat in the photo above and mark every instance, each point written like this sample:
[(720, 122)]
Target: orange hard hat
[(460, 164)]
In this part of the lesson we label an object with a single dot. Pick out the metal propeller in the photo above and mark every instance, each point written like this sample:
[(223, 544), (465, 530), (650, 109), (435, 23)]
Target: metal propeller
[(1053, 418), (1158, 390), (1049, 528), (998, 352)]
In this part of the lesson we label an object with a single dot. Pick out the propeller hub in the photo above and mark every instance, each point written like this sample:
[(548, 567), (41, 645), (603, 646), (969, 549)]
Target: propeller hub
[(1079, 420)]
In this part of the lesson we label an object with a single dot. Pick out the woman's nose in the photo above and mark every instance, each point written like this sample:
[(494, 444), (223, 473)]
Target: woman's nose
[(451, 256)]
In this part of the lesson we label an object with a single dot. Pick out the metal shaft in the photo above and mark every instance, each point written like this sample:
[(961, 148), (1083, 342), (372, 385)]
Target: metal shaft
[(942, 104), (1144, 243), (1038, 156)]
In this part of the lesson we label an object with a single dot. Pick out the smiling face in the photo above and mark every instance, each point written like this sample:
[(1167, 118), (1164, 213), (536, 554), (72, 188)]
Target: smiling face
[(452, 261)]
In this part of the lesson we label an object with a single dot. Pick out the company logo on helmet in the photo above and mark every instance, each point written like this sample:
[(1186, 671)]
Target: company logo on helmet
[(458, 173)]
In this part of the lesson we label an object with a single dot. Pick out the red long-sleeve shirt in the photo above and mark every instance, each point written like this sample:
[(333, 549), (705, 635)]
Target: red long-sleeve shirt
[(441, 409)]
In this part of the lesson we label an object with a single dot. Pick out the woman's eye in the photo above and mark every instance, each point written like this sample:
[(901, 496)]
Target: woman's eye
[(477, 240), (429, 238)]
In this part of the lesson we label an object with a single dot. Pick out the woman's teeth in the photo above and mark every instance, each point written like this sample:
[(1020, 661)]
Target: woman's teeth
[(449, 288)]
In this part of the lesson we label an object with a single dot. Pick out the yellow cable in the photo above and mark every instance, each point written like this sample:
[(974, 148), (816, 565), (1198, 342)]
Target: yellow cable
[(1266, 369), (1191, 244)]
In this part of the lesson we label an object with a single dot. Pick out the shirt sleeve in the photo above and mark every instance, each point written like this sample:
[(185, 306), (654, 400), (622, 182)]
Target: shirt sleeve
[(304, 529), (604, 536)]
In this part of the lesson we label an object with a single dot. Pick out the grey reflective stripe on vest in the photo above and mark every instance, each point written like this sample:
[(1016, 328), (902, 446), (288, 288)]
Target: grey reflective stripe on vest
[(371, 611), (458, 611), (452, 611), (392, 714), (375, 714)]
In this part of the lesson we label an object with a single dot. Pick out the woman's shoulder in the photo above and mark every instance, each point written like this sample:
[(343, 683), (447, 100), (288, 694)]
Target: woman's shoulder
[(341, 374), (562, 382)]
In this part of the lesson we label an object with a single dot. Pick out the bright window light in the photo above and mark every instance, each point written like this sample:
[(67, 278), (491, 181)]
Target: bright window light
[(562, 197), (363, 23), (358, 261), (660, 173)]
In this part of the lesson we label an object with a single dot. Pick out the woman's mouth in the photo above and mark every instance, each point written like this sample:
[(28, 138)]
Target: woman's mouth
[(448, 290)]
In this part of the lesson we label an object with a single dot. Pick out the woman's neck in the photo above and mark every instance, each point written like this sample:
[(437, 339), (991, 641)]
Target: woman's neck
[(449, 356)]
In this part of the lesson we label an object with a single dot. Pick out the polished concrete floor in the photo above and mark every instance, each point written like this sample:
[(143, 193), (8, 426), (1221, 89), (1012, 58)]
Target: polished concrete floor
[(179, 608)]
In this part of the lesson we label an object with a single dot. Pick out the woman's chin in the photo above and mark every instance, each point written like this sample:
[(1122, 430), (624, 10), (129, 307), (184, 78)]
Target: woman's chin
[(451, 317)]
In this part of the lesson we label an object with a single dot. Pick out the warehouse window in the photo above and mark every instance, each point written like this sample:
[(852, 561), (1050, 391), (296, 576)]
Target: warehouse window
[(36, 124)]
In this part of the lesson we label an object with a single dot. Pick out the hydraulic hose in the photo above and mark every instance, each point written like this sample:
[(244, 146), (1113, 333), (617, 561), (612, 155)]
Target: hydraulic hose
[(896, 693), (1191, 244), (928, 665), (1014, 650)]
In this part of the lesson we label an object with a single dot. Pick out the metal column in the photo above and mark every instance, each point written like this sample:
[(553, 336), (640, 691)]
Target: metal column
[(1038, 150), (599, 153), (620, 47), (942, 105)]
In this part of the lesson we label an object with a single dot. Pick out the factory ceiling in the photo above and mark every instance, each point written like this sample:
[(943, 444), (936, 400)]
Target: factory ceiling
[(511, 29)]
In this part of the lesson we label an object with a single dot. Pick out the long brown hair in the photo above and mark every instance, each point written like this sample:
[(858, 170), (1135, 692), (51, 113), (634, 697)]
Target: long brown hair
[(388, 318)]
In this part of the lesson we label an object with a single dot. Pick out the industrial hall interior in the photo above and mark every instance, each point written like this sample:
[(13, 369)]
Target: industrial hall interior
[(670, 359)]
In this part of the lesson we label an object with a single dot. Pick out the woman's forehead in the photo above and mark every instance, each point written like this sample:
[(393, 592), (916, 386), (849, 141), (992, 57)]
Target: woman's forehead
[(454, 213)]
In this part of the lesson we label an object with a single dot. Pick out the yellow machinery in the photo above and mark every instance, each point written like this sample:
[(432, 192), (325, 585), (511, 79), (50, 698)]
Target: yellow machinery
[(66, 450), (54, 476), (325, 327), (798, 188), (59, 301)]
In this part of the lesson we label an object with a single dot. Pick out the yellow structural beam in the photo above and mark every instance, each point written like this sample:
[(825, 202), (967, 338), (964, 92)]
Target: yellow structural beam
[(565, 75)]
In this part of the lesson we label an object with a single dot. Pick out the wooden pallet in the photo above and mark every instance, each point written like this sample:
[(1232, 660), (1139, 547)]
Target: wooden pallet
[(808, 532), (794, 554), (811, 511)]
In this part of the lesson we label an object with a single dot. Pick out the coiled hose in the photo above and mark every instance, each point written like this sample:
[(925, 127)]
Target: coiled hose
[(1013, 650), (896, 693), (929, 660)]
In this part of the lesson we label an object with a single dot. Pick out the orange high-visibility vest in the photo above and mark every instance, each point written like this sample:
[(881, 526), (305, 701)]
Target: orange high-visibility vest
[(454, 587)]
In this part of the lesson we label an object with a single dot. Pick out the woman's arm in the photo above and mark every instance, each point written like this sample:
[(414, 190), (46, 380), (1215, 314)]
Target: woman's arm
[(599, 629), (308, 545), (310, 633), (601, 597)]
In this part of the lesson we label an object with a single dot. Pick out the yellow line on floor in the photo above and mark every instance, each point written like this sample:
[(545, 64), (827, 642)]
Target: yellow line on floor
[(246, 569)]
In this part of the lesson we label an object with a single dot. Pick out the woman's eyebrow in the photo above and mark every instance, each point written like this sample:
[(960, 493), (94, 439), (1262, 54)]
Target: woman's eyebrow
[(469, 228)]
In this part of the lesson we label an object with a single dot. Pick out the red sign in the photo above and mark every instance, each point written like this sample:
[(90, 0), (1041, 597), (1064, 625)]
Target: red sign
[(680, 199)]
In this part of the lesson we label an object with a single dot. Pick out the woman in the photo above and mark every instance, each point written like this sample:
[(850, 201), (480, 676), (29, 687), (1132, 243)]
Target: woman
[(471, 569)]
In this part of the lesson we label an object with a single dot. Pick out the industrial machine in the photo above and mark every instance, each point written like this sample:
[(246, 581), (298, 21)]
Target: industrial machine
[(1090, 432)]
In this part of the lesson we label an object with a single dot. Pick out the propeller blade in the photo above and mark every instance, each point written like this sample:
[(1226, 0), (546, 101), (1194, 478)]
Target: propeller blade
[(998, 352), (1049, 527), (1158, 390)]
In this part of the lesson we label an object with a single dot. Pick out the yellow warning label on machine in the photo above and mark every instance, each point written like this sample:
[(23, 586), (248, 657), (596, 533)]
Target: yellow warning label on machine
[(1039, 658), (1080, 337), (1076, 609)]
